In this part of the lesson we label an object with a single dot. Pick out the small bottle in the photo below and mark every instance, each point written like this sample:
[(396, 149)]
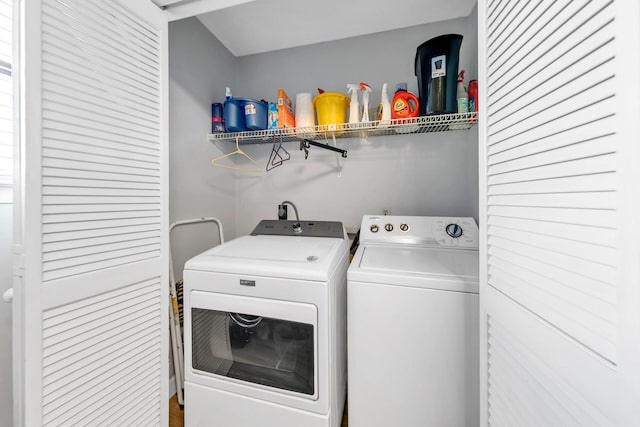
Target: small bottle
[(227, 93), (217, 118), (473, 96), (461, 95)]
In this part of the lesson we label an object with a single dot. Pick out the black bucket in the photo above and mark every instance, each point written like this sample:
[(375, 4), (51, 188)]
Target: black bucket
[(436, 66)]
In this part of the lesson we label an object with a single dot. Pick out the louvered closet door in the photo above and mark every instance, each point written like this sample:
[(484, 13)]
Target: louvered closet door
[(91, 308), (559, 211)]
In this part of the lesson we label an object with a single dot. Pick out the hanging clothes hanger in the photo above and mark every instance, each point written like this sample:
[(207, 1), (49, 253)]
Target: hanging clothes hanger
[(214, 162), (278, 156)]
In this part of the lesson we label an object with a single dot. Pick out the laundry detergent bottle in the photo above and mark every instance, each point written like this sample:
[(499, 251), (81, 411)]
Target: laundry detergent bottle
[(405, 104)]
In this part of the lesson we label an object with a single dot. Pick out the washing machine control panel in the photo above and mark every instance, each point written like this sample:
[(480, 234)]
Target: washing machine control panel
[(420, 230)]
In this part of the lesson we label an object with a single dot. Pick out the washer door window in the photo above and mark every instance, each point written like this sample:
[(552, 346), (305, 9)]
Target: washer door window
[(255, 348)]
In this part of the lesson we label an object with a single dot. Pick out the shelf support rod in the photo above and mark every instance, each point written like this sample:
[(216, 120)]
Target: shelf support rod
[(308, 142)]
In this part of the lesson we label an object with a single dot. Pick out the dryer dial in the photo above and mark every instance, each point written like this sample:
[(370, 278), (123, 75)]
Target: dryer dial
[(454, 230)]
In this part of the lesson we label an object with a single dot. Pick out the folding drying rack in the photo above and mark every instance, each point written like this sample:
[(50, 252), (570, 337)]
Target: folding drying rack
[(174, 316)]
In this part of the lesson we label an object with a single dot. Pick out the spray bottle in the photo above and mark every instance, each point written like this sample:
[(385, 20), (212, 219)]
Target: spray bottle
[(354, 107), (461, 95), (366, 89), (384, 109)]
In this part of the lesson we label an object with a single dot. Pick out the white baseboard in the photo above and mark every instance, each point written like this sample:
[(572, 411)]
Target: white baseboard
[(172, 386)]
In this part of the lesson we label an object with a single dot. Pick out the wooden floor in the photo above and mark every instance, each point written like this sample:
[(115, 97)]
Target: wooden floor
[(176, 415)]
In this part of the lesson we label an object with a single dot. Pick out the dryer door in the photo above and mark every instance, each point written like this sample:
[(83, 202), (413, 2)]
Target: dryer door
[(265, 343)]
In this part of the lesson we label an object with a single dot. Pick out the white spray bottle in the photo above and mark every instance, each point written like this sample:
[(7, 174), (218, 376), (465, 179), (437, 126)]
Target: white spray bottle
[(384, 109), (366, 89), (354, 107)]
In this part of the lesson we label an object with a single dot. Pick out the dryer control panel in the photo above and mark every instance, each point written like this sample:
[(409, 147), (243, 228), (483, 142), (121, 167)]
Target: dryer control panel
[(268, 227), (434, 231)]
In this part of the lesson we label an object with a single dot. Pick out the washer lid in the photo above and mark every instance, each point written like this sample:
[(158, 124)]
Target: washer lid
[(429, 268), (295, 257)]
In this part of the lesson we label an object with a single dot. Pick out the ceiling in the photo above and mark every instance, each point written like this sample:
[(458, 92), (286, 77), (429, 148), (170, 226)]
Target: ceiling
[(267, 25)]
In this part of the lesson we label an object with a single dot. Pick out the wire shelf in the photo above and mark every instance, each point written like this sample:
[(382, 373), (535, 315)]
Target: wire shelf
[(424, 124)]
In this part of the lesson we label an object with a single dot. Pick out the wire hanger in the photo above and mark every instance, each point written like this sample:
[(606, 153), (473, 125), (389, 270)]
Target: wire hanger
[(214, 162), (277, 158)]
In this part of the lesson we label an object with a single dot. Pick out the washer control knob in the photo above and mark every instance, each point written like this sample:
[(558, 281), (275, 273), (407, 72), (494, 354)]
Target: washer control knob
[(297, 227), (374, 228), (404, 227), (454, 230), (388, 227)]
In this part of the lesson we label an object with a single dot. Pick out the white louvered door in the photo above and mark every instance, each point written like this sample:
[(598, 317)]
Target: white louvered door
[(560, 291), (91, 301)]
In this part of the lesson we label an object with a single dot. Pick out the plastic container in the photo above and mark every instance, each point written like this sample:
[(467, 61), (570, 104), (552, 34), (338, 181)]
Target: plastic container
[(354, 105), (405, 104), (331, 109), (217, 118), (436, 66), (242, 114), (255, 114), (384, 109), (461, 94), (473, 96), (272, 116), (366, 90), (234, 115)]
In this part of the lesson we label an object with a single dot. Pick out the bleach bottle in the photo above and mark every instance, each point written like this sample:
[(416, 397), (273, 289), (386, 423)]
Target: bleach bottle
[(405, 104)]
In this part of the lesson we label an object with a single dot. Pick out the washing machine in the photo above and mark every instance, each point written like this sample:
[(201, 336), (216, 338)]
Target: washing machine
[(265, 328), (413, 323)]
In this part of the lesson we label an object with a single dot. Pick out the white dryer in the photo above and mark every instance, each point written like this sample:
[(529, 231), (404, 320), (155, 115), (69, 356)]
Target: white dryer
[(413, 326), (265, 328)]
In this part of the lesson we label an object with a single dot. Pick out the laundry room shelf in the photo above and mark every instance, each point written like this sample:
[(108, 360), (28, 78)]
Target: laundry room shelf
[(424, 124)]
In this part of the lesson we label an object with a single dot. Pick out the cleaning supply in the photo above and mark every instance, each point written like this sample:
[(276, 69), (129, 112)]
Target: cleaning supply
[(234, 117), (331, 109), (354, 106), (272, 116), (255, 114), (461, 94), (405, 104), (366, 89), (227, 93), (217, 118), (286, 119), (384, 109), (473, 96)]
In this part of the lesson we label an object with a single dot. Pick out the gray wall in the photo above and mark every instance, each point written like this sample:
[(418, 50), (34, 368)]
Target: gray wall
[(427, 174), (199, 69), (6, 399)]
